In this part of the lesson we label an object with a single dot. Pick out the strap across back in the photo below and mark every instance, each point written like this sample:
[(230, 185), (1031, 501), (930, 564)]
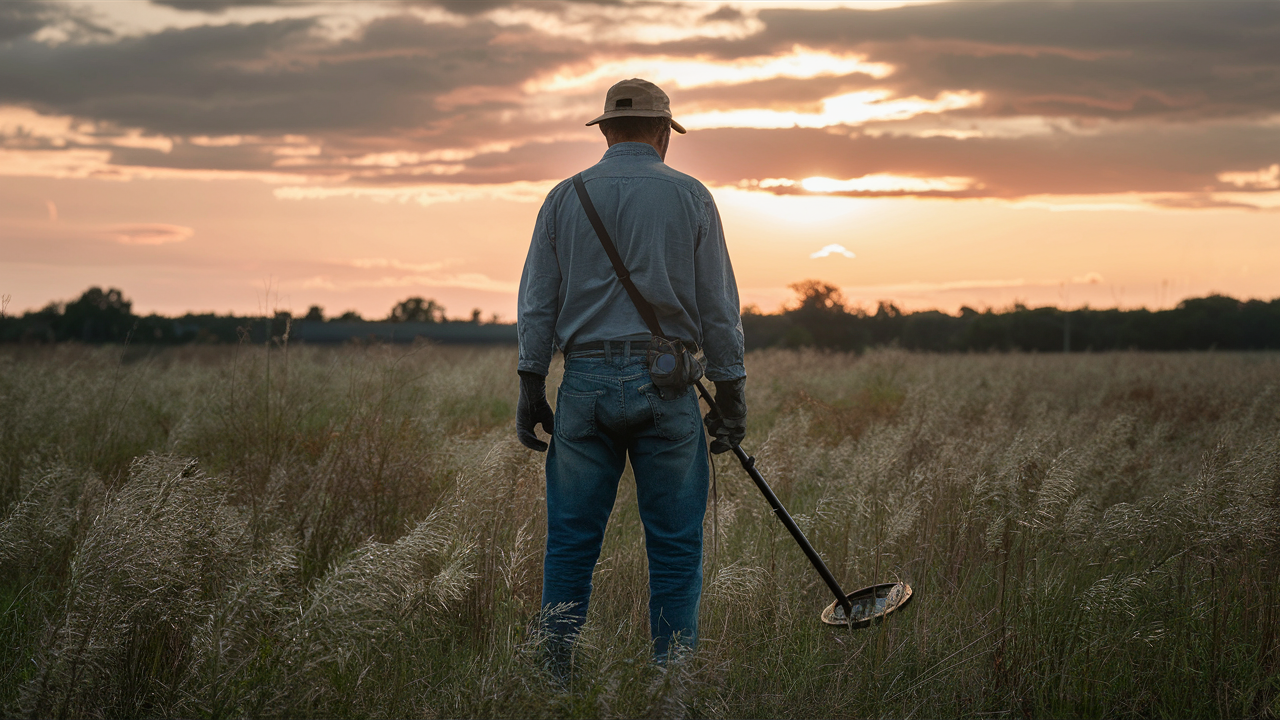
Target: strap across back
[(642, 305)]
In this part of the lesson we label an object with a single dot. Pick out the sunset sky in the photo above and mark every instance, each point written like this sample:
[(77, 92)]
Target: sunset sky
[(248, 155)]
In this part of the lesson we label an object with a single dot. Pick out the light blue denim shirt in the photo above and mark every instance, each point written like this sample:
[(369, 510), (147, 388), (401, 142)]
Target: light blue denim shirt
[(667, 230)]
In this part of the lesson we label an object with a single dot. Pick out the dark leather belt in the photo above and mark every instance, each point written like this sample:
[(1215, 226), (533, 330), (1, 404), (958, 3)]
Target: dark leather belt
[(616, 348)]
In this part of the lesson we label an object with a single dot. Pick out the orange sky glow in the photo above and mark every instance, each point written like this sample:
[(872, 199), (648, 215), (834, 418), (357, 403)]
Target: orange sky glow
[(250, 155)]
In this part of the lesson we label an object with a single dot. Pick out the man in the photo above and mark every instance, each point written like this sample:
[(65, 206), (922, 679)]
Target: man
[(667, 231)]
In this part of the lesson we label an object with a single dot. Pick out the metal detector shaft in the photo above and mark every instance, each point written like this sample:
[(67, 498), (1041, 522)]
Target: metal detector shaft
[(749, 464)]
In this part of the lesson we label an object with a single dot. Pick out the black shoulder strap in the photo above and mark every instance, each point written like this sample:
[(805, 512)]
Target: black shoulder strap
[(646, 310)]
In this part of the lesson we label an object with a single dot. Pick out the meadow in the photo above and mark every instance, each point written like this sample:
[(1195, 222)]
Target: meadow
[(301, 532)]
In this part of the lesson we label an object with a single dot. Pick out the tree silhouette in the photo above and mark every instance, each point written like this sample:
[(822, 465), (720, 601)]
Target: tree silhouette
[(820, 319), (817, 296), (97, 316), (416, 309)]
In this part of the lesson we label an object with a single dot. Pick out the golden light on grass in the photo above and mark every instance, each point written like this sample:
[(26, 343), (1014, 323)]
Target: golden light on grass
[(350, 532)]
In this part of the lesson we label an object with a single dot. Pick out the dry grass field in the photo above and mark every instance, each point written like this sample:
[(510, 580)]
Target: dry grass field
[(221, 531)]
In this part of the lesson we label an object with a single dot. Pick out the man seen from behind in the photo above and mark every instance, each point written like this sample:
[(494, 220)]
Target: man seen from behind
[(668, 235)]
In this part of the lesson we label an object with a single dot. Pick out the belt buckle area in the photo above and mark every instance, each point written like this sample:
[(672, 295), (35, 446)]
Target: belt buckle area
[(623, 349), (609, 349)]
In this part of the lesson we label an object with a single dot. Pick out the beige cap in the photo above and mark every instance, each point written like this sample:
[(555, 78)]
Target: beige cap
[(637, 98)]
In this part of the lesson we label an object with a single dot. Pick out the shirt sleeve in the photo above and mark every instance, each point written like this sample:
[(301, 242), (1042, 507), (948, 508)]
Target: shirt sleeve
[(718, 306), (539, 297)]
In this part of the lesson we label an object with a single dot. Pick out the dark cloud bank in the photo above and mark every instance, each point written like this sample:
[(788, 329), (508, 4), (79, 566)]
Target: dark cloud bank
[(1148, 96)]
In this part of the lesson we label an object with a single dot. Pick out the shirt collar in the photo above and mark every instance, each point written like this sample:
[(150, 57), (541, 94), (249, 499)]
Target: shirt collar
[(631, 148)]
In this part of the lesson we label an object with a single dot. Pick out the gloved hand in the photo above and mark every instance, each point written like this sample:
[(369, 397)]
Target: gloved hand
[(533, 410), (730, 427)]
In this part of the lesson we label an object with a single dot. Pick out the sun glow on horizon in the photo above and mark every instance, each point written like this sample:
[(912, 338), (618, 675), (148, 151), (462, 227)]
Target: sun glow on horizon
[(810, 210), (872, 183), (884, 182)]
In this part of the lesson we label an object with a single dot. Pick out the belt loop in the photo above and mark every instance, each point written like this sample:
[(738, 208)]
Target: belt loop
[(608, 351), (626, 349)]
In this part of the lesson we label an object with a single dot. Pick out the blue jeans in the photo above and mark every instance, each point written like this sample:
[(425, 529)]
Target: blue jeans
[(608, 411)]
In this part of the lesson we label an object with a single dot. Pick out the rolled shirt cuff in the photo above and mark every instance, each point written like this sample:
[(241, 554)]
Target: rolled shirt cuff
[(534, 366), (730, 372)]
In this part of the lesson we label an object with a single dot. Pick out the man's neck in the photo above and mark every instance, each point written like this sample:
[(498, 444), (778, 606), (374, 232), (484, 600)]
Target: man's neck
[(659, 145)]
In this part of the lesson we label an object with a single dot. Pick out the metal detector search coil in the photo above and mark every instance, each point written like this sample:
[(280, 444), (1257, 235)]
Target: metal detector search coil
[(868, 605)]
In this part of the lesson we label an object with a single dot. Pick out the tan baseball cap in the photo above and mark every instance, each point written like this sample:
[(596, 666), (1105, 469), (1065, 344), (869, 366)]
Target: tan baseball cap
[(637, 98)]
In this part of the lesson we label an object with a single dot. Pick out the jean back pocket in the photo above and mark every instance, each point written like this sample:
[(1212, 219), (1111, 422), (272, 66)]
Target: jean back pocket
[(575, 414), (674, 419)]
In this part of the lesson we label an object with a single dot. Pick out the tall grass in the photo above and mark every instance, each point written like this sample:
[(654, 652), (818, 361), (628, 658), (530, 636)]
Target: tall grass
[(299, 532)]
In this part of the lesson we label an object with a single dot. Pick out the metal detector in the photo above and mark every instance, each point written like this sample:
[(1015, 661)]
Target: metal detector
[(857, 609)]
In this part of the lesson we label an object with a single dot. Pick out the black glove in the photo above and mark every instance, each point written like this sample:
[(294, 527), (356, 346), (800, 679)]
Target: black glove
[(729, 427), (533, 410)]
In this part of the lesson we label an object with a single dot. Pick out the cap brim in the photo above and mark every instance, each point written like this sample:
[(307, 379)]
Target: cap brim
[(640, 113)]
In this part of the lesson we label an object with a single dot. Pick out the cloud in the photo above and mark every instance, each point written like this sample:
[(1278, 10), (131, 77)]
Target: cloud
[(60, 163), (1264, 179), (679, 73), (1146, 202), (886, 183), (875, 184), (1187, 60), (1184, 158), (854, 108), (961, 100), (393, 264), (464, 281), (424, 194), (1252, 201), (383, 272), (832, 250), (272, 78), (213, 6), (20, 19), (148, 233), (606, 23)]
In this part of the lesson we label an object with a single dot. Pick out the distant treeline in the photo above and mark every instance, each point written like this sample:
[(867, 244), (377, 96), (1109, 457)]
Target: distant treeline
[(820, 318), (106, 316)]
